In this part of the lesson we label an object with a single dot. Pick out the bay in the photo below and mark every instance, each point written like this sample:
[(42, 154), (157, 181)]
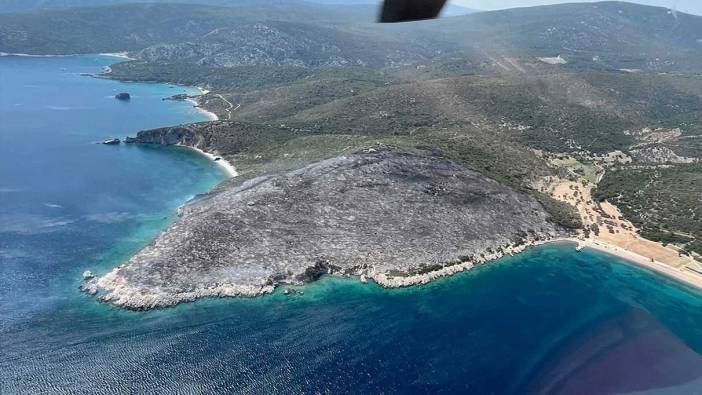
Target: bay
[(550, 320)]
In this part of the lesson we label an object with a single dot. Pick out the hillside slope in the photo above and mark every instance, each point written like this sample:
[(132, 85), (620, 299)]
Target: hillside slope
[(589, 93), (600, 36), (397, 218), (132, 27)]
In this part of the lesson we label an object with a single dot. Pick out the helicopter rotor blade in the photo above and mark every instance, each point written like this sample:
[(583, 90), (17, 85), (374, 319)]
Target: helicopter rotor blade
[(410, 10)]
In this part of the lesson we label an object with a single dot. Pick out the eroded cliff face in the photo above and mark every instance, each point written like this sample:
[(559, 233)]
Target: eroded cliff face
[(188, 135), (225, 137), (401, 219)]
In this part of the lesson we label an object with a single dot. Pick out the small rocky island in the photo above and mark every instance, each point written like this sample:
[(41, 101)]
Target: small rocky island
[(399, 219), (123, 96)]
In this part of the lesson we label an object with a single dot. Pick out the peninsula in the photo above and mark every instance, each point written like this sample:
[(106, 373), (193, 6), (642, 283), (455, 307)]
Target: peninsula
[(553, 103), (399, 219)]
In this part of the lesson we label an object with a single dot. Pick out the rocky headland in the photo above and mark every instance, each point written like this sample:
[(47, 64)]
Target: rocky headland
[(397, 218)]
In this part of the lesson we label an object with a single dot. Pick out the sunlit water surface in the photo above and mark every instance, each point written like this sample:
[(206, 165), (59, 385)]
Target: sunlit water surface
[(548, 321)]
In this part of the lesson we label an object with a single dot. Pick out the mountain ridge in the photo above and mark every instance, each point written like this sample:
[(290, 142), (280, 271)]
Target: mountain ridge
[(529, 97), (614, 35)]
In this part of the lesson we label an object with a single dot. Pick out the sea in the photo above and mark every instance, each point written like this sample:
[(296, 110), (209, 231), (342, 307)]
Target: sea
[(548, 321)]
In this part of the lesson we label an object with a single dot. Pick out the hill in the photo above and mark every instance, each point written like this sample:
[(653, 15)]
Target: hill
[(591, 93), (492, 107), (133, 27), (599, 36), (22, 6), (615, 35), (397, 218)]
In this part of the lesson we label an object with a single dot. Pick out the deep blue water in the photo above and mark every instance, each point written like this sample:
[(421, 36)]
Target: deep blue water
[(548, 321)]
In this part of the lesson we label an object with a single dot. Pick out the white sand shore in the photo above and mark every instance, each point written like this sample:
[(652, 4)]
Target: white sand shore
[(228, 167), (123, 55), (619, 237), (212, 116), (682, 276)]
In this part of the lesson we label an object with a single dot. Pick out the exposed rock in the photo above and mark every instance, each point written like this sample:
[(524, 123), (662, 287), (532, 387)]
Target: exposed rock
[(659, 155), (283, 44), (396, 218), (111, 142), (189, 135), (214, 137), (180, 97), (123, 96), (658, 135), (553, 61)]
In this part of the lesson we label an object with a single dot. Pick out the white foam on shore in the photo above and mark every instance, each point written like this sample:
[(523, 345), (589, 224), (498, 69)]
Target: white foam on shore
[(225, 164), (122, 294), (118, 291), (386, 281), (212, 116), (123, 55), (680, 276), (630, 257)]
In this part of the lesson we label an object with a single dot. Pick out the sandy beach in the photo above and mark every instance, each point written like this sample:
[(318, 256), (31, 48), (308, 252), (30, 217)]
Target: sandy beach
[(685, 277), (122, 55), (212, 116), (226, 165), (619, 237)]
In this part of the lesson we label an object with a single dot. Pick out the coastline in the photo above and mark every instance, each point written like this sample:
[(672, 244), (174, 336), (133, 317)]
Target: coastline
[(212, 247), (635, 259), (225, 164), (112, 288), (447, 271), (26, 55), (124, 55), (108, 70), (619, 237), (209, 114), (228, 167), (386, 281), (121, 55), (123, 295), (630, 257)]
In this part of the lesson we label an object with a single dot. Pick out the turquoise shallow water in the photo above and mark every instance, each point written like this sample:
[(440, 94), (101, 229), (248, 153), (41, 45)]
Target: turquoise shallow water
[(548, 321)]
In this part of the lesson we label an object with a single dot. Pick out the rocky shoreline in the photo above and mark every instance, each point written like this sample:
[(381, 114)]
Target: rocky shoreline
[(383, 280), (395, 218), (187, 136), (114, 290)]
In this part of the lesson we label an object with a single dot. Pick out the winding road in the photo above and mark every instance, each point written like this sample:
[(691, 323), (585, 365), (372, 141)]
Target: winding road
[(230, 106)]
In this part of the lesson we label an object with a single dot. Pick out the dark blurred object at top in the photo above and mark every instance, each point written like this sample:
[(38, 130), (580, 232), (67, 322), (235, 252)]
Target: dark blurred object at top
[(410, 10)]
